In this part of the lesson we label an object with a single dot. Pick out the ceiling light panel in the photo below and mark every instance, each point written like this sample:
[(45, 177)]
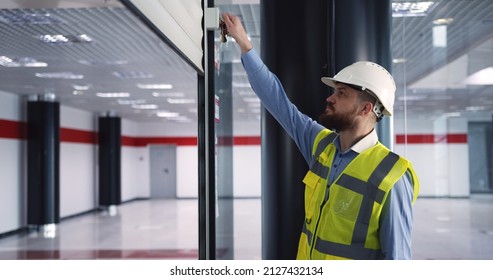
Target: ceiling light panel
[(21, 62), (441, 21), (112, 94), (60, 75), (412, 9), (16, 16), (476, 108), (155, 86), (82, 87), (133, 75), (168, 94), (130, 101), (78, 92), (398, 60), (180, 100), (179, 119), (166, 114), (145, 106), (65, 39), (102, 62)]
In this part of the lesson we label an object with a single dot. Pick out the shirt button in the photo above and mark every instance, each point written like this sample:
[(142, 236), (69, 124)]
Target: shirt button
[(335, 165)]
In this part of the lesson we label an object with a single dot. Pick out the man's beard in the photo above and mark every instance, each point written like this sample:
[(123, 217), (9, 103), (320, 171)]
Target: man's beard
[(338, 121)]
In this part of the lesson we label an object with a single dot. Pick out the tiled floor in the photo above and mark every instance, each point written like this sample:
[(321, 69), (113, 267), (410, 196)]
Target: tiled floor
[(454, 228), (167, 229)]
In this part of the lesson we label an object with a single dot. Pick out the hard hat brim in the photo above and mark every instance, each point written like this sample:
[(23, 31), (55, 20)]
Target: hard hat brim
[(331, 82)]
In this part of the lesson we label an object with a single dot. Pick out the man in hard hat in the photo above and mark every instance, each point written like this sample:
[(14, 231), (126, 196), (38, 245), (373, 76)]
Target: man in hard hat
[(358, 194)]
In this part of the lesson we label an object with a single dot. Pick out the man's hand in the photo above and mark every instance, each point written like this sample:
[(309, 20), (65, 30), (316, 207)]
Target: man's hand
[(235, 29)]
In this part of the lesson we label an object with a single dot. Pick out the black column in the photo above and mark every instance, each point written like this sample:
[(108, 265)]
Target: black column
[(43, 164), (294, 47), (301, 42), (109, 161), (361, 31)]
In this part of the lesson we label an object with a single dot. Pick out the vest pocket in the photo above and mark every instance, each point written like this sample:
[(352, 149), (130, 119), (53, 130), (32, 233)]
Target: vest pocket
[(311, 181), (346, 204)]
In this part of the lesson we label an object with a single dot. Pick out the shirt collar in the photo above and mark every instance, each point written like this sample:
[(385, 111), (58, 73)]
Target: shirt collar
[(366, 142)]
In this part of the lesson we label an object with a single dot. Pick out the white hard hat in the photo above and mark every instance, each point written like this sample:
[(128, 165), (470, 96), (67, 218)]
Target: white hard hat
[(369, 76)]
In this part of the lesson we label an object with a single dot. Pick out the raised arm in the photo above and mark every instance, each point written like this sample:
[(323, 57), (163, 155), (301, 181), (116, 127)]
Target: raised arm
[(270, 91)]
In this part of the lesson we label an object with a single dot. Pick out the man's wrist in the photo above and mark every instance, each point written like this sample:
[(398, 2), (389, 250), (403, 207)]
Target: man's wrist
[(246, 47)]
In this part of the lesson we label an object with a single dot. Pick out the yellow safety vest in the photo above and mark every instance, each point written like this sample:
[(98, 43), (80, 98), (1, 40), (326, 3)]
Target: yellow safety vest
[(342, 222)]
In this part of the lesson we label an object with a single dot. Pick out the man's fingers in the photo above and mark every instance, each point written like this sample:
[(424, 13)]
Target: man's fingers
[(227, 18)]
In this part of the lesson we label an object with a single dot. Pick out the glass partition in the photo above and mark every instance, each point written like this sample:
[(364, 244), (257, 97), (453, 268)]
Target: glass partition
[(237, 126), (443, 122), (442, 54)]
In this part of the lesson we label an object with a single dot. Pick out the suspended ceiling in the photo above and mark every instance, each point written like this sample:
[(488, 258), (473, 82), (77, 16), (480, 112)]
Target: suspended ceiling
[(123, 53)]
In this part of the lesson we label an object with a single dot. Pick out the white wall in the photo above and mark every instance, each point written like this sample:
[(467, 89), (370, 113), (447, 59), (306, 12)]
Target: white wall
[(246, 171), (12, 188), (134, 166), (187, 179), (135, 173), (161, 129), (442, 168), (78, 181), (77, 119), (78, 191), (12, 164)]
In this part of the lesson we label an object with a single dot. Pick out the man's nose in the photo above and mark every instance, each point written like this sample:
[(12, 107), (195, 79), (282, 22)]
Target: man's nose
[(329, 99)]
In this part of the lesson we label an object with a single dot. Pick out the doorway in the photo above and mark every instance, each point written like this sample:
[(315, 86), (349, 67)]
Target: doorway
[(163, 171), (479, 139)]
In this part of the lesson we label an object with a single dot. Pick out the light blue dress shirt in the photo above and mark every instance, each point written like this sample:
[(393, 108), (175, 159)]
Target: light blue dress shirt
[(397, 215)]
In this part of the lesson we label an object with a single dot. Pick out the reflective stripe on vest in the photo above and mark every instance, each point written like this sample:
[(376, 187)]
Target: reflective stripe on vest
[(355, 252), (308, 233), (315, 166), (371, 192)]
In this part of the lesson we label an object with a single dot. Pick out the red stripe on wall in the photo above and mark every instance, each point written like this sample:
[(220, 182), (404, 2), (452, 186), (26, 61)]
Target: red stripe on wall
[(457, 138), (431, 139), (247, 140), (78, 136), (128, 141), (144, 141), (13, 129), (238, 141), (18, 130)]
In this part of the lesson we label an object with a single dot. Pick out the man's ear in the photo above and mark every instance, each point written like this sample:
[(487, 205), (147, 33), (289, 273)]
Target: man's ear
[(367, 108)]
